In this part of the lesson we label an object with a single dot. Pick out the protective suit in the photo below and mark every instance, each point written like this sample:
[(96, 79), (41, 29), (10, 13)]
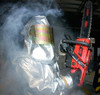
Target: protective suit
[(40, 65)]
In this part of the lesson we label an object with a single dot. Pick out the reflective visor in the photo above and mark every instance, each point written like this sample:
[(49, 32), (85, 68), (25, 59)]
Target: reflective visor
[(41, 34)]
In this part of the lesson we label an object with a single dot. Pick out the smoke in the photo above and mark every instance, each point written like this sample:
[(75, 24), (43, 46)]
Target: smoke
[(17, 17), (13, 18)]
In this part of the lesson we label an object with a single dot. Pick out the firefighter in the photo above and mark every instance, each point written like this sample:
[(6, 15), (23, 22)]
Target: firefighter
[(39, 64)]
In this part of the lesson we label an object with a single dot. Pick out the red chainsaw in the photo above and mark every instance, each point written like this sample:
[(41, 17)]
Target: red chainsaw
[(79, 50)]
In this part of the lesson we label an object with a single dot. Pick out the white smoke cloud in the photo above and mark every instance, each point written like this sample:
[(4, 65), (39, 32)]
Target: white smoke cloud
[(18, 16)]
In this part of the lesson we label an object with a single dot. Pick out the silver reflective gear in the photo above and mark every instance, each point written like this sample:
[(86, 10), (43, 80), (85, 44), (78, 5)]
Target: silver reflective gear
[(40, 66)]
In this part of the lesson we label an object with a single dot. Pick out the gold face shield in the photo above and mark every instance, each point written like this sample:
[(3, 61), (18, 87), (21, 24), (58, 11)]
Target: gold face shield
[(41, 34)]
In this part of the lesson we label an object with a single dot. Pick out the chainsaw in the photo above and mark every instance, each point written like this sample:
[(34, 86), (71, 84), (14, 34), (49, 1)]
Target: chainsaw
[(80, 49)]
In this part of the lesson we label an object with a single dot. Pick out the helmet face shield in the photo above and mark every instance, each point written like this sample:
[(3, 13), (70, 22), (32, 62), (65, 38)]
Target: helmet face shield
[(39, 42), (39, 38), (41, 34)]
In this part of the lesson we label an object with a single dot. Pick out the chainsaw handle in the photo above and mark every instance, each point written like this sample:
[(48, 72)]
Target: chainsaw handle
[(76, 42)]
